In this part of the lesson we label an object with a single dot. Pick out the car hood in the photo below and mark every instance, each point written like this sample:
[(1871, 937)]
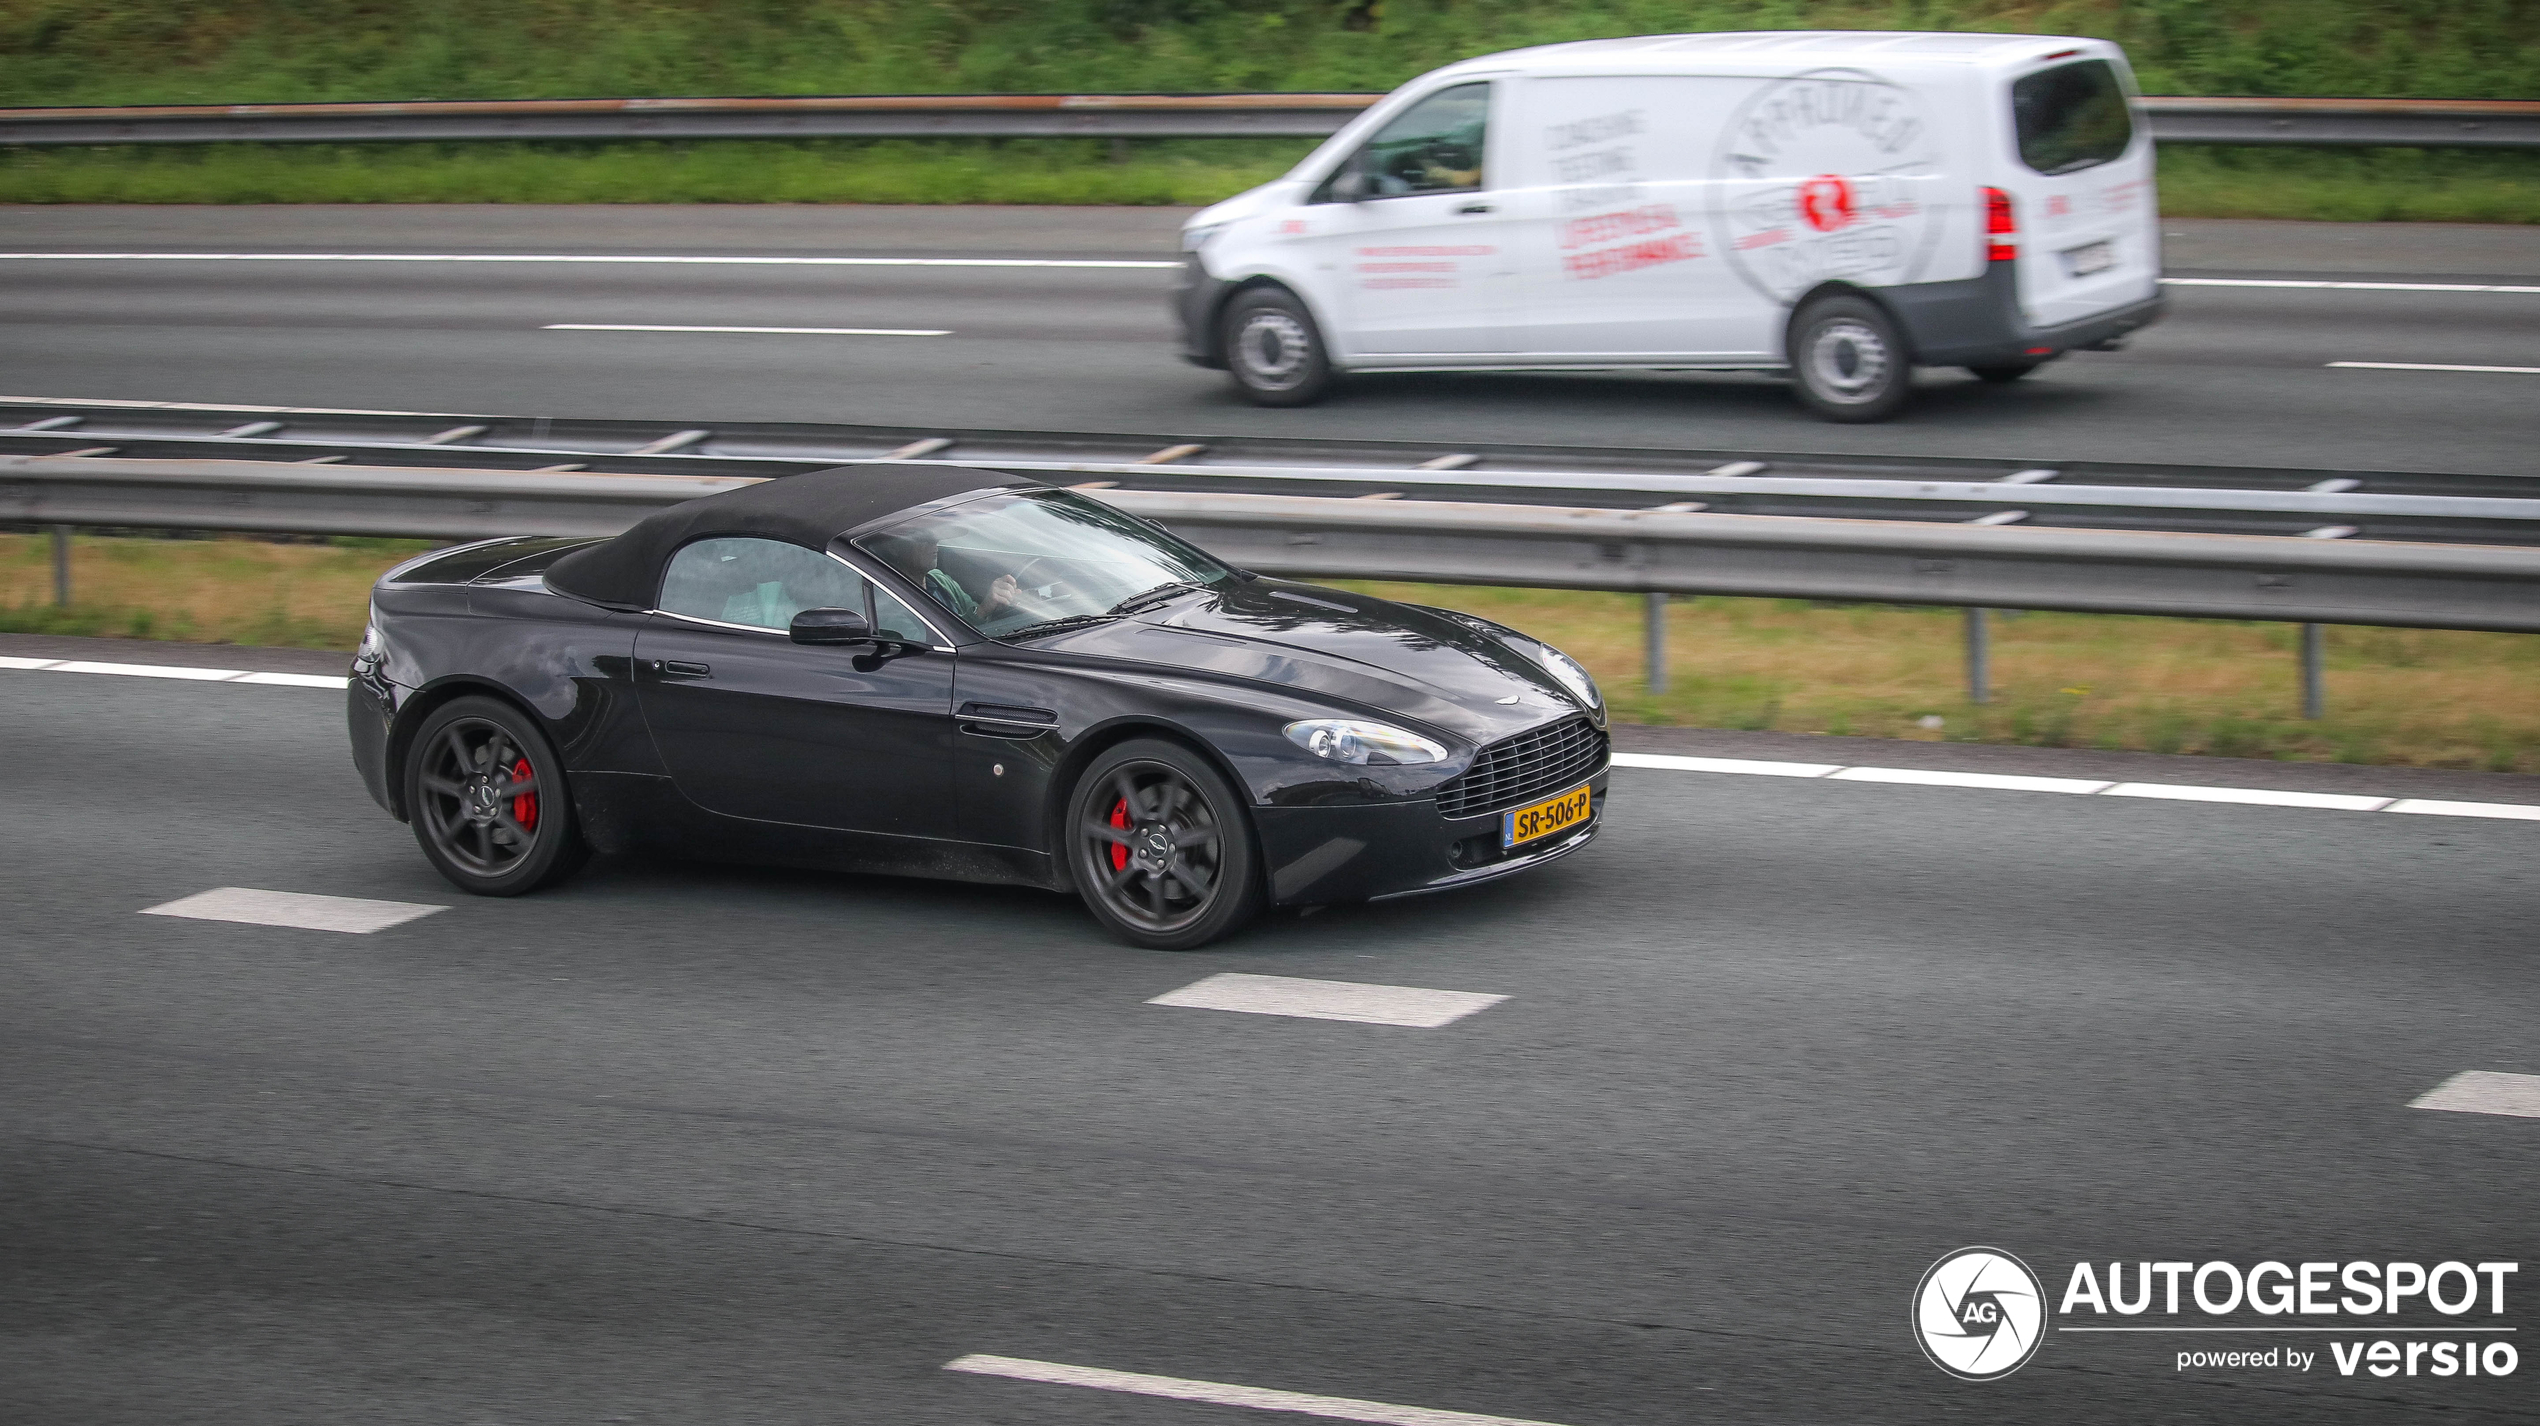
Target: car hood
[(1392, 658)]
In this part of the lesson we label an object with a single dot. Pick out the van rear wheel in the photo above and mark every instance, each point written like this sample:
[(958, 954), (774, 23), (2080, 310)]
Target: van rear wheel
[(1273, 349), (1848, 361)]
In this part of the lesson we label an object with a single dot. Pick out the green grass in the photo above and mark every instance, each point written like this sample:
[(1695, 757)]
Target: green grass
[(2367, 185), (232, 51)]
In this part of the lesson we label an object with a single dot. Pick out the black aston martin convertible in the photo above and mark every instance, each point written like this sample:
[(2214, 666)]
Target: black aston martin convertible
[(953, 673)]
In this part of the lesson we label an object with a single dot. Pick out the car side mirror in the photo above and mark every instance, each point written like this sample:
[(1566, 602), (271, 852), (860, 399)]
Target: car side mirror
[(830, 626)]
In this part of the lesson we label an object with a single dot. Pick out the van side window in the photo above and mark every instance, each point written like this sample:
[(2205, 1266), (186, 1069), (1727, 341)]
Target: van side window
[(1435, 146), (761, 583), (2071, 117)]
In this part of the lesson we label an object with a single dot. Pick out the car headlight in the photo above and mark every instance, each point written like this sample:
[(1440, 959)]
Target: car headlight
[(1193, 239), (1360, 742), (1572, 676)]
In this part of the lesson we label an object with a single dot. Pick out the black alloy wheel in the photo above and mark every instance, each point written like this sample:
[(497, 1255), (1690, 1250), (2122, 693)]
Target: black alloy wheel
[(1273, 350), (1161, 848), (488, 802), (1848, 361)]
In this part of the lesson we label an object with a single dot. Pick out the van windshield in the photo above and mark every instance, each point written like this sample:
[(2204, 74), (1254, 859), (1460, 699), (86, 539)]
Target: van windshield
[(2071, 117)]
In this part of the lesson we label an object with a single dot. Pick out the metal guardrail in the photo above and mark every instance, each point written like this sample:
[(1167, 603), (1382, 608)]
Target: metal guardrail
[(1646, 551), (2375, 505), (2472, 123)]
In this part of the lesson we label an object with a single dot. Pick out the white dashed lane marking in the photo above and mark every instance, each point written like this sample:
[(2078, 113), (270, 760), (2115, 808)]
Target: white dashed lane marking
[(750, 331), (296, 909), (2485, 1092), (2438, 366), (1328, 1000), (1219, 1393), (2252, 796)]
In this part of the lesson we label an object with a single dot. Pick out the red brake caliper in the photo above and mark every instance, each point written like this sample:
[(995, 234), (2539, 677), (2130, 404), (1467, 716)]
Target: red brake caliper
[(1120, 819), (525, 806)]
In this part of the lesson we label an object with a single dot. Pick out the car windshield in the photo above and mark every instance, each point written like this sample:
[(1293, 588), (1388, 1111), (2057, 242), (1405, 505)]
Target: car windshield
[(1010, 564)]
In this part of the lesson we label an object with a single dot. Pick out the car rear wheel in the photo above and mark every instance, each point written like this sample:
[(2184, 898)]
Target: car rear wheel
[(1273, 349), (2003, 375), (487, 797), (1161, 848), (1848, 361)]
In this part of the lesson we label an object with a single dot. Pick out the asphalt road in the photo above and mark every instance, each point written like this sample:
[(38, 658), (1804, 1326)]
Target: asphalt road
[(698, 1144), (2238, 376)]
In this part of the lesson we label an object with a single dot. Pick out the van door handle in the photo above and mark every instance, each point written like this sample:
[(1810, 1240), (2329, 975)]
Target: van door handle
[(675, 669), (1476, 208)]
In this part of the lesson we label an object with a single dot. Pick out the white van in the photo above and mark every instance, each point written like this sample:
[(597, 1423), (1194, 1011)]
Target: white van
[(1841, 206)]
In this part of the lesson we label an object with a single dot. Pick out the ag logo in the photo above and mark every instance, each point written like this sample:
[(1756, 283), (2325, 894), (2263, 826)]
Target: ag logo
[(1979, 1314), (1825, 175)]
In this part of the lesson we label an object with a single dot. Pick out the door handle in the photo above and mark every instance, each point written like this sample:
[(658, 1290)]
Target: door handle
[(675, 669), (1476, 208)]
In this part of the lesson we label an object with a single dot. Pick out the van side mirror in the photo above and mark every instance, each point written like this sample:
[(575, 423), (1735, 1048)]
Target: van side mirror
[(1351, 186), (830, 626)]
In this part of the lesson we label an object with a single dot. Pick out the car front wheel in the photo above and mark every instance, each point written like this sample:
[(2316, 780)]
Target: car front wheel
[(1848, 361), (1273, 349), (487, 797), (1160, 847)]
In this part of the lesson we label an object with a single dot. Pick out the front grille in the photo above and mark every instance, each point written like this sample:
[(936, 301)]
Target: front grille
[(1514, 771)]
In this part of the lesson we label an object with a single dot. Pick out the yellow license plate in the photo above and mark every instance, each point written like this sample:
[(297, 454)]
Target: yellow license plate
[(1526, 824)]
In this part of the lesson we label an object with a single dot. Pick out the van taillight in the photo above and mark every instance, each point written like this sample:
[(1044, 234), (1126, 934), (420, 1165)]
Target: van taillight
[(2001, 230)]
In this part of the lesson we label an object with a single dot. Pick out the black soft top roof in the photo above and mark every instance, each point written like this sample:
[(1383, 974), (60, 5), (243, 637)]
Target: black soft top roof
[(810, 510)]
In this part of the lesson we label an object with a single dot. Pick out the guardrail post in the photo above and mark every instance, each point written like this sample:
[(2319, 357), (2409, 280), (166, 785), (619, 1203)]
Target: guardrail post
[(1979, 656), (61, 566), (1654, 642), (2314, 653)]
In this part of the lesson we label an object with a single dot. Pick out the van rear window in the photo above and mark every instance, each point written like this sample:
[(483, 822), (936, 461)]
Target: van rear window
[(2071, 117)]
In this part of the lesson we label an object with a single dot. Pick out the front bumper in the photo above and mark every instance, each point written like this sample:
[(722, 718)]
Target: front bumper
[(369, 711), (1197, 299), (1978, 322), (1377, 851)]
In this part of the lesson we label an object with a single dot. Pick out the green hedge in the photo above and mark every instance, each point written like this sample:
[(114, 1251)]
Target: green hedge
[(228, 51)]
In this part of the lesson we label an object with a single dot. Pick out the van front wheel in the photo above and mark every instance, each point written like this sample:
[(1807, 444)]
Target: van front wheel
[(1848, 362), (1273, 350)]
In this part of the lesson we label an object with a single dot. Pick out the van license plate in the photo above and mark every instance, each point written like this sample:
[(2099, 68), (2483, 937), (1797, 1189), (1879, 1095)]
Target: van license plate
[(1527, 824), (2089, 258)]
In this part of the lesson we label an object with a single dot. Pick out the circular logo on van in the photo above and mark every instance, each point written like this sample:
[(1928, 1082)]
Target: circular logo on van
[(1979, 1314), (1825, 175)]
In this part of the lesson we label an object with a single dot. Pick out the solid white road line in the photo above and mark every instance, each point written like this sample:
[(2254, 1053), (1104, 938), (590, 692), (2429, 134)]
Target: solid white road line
[(2437, 366), (2484, 1092), (295, 909), (2516, 810), (718, 260), (2349, 286), (195, 675), (2000, 782), (750, 331), (1328, 1000), (149, 670), (1752, 767), (1737, 765), (1218, 1393), (2253, 796)]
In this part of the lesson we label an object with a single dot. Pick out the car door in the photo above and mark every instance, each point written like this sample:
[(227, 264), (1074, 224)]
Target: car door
[(752, 724), (1609, 207), (1410, 248)]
